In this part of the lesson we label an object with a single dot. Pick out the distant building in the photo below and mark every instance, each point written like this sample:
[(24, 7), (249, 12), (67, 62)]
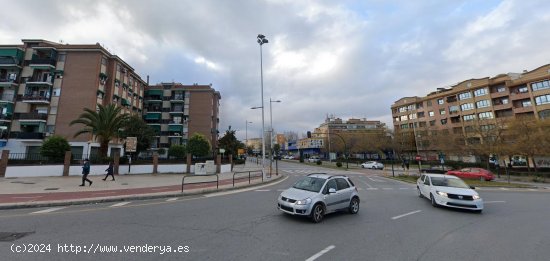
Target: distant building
[(176, 112)]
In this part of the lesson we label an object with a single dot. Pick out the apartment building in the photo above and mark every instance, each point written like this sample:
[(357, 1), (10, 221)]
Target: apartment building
[(457, 108), (46, 85), (352, 125), (176, 112)]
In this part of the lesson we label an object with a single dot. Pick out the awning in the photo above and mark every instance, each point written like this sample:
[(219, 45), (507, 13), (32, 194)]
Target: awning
[(156, 127), (29, 123), (153, 116), (155, 92), (125, 102), (178, 128)]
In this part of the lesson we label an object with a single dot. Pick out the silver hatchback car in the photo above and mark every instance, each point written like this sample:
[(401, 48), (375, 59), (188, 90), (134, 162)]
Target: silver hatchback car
[(319, 194)]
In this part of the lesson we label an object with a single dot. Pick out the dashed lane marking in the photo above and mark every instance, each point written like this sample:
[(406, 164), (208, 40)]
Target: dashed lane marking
[(406, 214), (387, 188), (320, 253), (262, 190), (120, 204), (172, 199), (47, 210), (371, 188)]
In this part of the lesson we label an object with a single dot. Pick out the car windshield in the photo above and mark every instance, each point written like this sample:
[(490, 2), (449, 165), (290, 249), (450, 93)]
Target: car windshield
[(310, 184), (445, 182)]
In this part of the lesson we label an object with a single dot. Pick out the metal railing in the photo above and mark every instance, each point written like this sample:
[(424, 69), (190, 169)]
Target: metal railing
[(202, 182), (250, 176)]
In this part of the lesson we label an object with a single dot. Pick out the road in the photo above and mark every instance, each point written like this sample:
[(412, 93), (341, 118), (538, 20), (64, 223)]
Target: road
[(392, 224)]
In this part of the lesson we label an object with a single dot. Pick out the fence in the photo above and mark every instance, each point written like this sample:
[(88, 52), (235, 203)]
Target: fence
[(250, 176), (202, 182)]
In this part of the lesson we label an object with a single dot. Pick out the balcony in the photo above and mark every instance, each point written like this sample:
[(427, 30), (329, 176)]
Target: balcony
[(9, 80), (500, 94), (523, 109), (42, 63), (5, 117), (519, 95), (31, 116), (177, 98), (9, 62), (6, 97), (27, 135), (34, 99), (502, 107), (40, 81)]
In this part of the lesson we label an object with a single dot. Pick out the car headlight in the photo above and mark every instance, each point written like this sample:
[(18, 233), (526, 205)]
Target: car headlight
[(443, 194), (475, 197), (303, 201)]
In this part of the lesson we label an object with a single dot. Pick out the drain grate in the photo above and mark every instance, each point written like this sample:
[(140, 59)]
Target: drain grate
[(51, 188), (12, 236)]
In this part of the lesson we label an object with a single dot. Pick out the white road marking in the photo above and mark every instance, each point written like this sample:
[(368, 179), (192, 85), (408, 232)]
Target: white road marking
[(372, 188), (406, 214), (368, 185), (262, 190), (532, 190), (320, 253), (387, 188), (120, 204), (172, 199), (503, 188), (489, 202), (47, 210)]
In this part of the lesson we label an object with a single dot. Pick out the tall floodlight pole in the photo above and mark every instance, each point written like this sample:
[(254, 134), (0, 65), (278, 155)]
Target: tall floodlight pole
[(271, 119), (261, 41), (246, 134)]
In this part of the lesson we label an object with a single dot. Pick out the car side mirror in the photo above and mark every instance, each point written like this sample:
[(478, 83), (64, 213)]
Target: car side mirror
[(331, 190)]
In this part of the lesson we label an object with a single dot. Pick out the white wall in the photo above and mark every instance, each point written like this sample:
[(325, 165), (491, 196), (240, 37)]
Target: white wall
[(57, 170)]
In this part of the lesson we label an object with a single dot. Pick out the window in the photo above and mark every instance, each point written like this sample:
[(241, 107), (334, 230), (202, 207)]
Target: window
[(404, 126), (487, 127), (522, 89), (56, 92), (342, 184), (61, 57), (504, 101), (440, 101), (396, 119), (482, 104), (501, 89), (421, 114), (464, 96), (526, 103), (412, 116), (442, 111), (443, 121), (486, 115), (432, 123), (422, 124), (404, 118), (467, 106), (104, 61), (480, 92), (453, 108), (469, 117), (429, 103), (540, 85), (431, 113), (330, 184), (402, 109), (544, 99)]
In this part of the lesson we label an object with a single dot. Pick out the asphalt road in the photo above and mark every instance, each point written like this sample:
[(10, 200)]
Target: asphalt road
[(392, 224)]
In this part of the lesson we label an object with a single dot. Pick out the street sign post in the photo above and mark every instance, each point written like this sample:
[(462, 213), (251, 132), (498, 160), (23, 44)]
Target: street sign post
[(131, 146)]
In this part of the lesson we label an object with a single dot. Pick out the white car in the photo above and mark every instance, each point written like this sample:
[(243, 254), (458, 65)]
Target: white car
[(288, 157), (313, 159), (372, 165), (448, 191)]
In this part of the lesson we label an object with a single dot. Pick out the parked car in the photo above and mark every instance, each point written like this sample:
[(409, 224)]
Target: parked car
[(448, 191), (473, 173), (437, 169), (319, 194), (313, 159), (372, 165), (288, 157)]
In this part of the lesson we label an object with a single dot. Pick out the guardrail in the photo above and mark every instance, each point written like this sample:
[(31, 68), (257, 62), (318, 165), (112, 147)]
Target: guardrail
[(217, 181), (249, 175)]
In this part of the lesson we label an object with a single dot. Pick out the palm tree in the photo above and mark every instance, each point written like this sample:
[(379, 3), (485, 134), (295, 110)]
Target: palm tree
[(104, 124)]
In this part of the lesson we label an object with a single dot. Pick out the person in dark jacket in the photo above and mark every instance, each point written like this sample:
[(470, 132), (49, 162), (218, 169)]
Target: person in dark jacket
[(110, 171), (85, 172)]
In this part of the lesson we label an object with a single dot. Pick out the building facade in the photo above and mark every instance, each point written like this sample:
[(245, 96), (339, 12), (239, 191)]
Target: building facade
[(457, 109), (176, 112), (46, 85)]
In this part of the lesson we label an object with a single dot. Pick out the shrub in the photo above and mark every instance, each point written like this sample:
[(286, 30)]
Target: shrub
[(338, 164), (319, 162), (54, 148), (177, 151), (161, 151), (301, 160)]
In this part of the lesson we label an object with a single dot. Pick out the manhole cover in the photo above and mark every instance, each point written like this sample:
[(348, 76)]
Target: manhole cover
[(11, 236), (51, 188)]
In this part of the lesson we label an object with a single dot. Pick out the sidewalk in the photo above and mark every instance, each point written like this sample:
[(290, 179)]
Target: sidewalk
[(56, 191)]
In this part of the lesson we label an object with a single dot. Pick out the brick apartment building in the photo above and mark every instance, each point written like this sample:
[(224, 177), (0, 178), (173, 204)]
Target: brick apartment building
[(456, 109), (46, 85), (178, 111)]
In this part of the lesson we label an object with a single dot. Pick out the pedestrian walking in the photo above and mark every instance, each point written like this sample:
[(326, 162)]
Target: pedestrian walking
[(110, 171), (85, 172)]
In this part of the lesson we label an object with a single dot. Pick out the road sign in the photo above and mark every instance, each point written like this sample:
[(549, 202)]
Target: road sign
[(222, 151), (418, 157), (131, 144)]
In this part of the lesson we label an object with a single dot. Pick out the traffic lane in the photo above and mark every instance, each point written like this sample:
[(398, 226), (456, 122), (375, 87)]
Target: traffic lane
[(502, 232)]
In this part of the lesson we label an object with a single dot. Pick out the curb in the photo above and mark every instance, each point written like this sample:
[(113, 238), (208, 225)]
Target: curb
[(204, 191)]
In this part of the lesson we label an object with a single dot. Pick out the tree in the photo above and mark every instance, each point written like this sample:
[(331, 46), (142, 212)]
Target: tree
[(528, 137), (54, 148), (177, 151), (104, 124), (484, 137), (230, 143), (198, 145), (137, 127)]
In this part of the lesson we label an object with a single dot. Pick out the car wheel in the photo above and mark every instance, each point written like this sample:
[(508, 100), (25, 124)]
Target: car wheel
[(373, 167), (354, 206), (419, 193), (317, 213), (433, 201)]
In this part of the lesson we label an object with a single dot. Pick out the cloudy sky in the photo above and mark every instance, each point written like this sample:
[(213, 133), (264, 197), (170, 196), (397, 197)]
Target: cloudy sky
[(343, 58)]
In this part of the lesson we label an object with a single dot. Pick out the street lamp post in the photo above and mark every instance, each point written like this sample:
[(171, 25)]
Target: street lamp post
[(271, 133), (246, 133), (261, 41)]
